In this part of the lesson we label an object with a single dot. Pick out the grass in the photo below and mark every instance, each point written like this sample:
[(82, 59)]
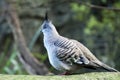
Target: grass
[(86, 76)]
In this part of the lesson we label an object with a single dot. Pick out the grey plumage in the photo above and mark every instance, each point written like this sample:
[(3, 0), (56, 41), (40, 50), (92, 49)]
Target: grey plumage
[(67, 54)]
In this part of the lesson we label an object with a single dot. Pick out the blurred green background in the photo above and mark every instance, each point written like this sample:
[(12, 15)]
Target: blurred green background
[(97, 29)]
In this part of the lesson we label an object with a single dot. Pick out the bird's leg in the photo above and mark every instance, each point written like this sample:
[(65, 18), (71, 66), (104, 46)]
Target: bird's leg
[(65, 73)]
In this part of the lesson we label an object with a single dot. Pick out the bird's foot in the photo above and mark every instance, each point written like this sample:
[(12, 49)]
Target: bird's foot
[(65, 73)]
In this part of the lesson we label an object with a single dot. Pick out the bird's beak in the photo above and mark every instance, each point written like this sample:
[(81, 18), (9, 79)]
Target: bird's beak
[(40, 29)]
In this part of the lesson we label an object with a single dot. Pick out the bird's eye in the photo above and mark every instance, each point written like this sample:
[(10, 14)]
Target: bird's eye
[(45, 26)]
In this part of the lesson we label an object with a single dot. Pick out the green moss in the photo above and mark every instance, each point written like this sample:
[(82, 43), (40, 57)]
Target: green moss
[(86, 76)]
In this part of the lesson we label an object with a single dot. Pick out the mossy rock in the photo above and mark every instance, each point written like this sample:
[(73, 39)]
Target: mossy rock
[(86, 76)]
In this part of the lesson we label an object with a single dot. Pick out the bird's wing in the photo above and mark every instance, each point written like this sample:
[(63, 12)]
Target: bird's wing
[(67, 51), (85, 51), (93, 61)]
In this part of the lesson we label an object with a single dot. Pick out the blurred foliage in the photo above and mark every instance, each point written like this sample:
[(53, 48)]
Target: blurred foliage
[(9, 61), (100, 32)]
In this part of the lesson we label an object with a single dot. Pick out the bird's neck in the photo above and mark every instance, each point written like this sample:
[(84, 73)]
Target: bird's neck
[(51, 34)]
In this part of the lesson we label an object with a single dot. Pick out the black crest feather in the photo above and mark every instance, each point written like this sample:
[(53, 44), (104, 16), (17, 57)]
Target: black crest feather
[(46, 16)]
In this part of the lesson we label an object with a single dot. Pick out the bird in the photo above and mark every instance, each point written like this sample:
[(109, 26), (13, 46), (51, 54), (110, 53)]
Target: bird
[(68, 55)]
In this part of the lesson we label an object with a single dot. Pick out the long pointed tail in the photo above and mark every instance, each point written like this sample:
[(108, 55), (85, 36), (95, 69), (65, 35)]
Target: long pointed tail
[(108, 68), (100, 66)]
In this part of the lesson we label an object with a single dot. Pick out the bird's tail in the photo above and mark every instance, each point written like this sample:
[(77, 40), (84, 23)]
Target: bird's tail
[(107, 68), (98, 65)]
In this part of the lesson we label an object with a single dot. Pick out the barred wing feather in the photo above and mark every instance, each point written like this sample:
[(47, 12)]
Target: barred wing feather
[(67, 51)]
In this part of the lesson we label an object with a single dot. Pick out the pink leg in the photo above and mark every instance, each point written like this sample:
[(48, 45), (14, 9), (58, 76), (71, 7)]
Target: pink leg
[(65, 73)]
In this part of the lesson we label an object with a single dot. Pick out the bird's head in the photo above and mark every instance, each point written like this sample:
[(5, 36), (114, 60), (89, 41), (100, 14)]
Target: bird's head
[(47, 26)]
